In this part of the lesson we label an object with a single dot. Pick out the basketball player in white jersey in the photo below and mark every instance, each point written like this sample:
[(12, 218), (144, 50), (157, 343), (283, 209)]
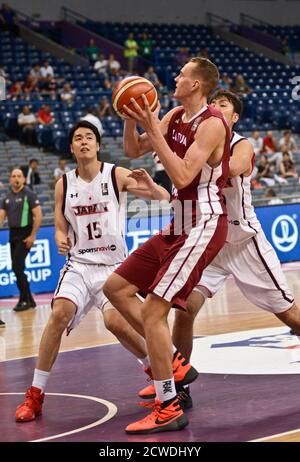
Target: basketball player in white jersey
[(89, 221), (246, 255)]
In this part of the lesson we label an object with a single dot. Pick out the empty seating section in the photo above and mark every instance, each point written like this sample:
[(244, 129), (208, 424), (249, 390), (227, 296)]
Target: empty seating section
[(292, 33)]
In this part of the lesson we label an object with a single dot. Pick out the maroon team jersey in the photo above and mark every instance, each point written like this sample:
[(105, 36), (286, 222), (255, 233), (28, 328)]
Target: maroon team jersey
[(204, 194)]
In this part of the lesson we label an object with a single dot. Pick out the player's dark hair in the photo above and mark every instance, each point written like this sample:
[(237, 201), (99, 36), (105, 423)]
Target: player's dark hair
[(85, 124), (233, 98)]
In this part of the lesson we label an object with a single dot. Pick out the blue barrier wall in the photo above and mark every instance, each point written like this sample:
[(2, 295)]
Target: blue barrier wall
[(281, 224)]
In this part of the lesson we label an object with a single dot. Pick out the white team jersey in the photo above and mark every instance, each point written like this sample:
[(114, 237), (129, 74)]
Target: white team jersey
[(242, 219), (96, 218)]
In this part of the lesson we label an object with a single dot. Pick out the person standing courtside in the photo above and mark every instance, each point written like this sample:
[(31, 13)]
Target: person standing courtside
[(22, 209)]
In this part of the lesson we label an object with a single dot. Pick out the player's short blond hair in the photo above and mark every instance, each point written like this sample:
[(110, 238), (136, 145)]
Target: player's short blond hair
[(208, 72)]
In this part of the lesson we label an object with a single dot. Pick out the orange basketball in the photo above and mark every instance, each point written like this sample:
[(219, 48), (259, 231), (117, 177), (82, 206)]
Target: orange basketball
[(134, 87)]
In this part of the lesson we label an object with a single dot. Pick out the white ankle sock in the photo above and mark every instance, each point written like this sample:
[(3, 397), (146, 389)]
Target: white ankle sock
[(165, 389), (40, 379)]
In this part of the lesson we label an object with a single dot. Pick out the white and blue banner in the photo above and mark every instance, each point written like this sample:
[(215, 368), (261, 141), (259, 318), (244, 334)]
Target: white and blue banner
[(43, 264), (281, 223)]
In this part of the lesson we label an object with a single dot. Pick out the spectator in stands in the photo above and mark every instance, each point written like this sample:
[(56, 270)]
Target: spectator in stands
[(271, 194), (16, 91), (241, 87), (89, 115), (113, 63), (68, 94), (131, 52), (104, 109), (153, 77), (29, 86), (27, 122), (146, 47), (257, 142), (101, 65), (225, 81), (270, 149), (182, 56), (288, 166), (45, 116), (35, 74), (4, 82), (47, 82), (113, 80), (264, 172), (31, 173), (269, 143), (35, 71), (61, 169), (165, 101), (8, 19), (288, 142), (4, 74), (46, 70), (92, 50)]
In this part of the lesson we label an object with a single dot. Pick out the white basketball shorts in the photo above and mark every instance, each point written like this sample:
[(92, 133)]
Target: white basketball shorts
[(83, 284), (256, 271)]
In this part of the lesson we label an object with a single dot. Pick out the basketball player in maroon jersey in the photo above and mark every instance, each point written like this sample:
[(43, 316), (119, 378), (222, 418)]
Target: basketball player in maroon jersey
[(192, 142), (247, 255)]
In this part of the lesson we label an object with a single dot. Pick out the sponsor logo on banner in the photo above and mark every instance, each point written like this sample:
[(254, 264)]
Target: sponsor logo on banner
[(37, 263), (284, 233)]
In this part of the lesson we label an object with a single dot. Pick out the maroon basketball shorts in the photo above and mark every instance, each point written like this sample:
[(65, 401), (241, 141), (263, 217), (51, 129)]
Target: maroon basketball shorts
[(171, 266)]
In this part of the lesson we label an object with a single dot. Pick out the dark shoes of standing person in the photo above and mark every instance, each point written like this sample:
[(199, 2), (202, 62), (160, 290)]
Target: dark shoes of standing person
[(2, 323), (24, 305)]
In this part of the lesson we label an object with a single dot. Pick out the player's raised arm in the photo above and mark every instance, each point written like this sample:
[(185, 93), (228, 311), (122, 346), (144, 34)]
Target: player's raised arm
[(140, 183), (182, 171)]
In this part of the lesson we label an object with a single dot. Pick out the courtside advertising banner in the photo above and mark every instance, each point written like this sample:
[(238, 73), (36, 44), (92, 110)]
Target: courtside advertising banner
[(281, 224)]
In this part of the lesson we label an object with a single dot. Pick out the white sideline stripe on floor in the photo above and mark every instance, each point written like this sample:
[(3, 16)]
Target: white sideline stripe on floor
[(62, 351), (112, 410), (278, 435)]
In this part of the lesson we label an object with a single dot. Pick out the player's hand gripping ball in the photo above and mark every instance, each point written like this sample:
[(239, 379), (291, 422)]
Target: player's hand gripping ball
[(134, 87)]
